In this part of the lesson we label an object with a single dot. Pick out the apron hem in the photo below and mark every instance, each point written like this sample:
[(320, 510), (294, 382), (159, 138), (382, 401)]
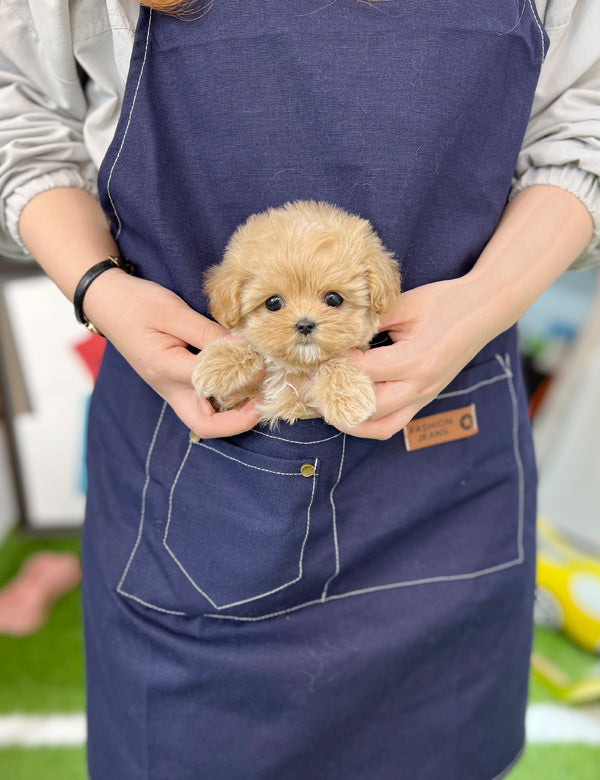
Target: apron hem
[(512, 764)]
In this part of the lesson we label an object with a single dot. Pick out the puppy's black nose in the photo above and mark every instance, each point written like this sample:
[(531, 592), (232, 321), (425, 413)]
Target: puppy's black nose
[(305, 326)]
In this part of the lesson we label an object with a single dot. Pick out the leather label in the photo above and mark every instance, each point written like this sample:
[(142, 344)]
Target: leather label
[(440, 428)]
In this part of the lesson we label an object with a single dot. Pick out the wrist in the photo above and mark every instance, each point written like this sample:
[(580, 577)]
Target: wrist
[(108, 295), (89, 277), (496, 303), (542, 231)]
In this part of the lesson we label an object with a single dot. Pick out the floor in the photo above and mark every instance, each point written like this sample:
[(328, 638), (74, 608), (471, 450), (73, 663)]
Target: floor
[(42, 727)]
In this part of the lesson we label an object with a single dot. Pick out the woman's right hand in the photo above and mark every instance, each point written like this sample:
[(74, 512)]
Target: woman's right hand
[(152, 328), (66, 231)]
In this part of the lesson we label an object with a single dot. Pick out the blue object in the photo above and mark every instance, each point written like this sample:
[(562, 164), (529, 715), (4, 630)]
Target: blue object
[(82, 481), (373, 619), (560, 313)]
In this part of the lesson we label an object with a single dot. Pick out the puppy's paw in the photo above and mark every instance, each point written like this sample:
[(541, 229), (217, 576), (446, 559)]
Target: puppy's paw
[(344, 394), (227, 372)]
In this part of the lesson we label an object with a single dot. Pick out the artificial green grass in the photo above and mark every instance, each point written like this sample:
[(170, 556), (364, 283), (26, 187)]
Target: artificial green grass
[(42, 672), (558, 762), (540, 762), (43, 764), (570, 659)]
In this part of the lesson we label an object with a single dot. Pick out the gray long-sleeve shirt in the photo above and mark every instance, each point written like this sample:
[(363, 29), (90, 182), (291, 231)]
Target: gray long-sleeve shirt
[(55, 126)]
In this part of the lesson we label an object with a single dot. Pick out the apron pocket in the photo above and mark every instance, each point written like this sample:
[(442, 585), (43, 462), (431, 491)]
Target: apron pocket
[(237, 528), (230, 530), (452, 511)]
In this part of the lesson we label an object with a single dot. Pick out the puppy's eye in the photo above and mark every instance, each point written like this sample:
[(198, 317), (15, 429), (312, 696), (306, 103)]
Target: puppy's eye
[(274, 303), (333, 299)]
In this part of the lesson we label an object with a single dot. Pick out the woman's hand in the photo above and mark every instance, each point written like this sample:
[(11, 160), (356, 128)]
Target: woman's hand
[(66, 231), (436, 329), (152, 327)]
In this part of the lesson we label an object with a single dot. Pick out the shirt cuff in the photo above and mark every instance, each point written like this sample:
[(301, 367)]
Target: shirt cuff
[(17, 201), (585, 186)]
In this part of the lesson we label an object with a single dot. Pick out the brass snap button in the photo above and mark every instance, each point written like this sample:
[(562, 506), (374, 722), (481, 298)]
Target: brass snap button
[(307, 470), (194, 438)]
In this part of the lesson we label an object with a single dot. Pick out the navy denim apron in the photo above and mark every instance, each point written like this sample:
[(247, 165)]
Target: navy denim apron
[(301, 604)]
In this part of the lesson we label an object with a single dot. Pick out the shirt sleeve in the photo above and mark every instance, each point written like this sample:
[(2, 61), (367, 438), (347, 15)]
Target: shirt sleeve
[(42, 111), (63, 67), (562, 143)]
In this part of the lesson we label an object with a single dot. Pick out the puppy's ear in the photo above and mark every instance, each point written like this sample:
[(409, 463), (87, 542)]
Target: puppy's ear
[(223, 288), (383, 277)]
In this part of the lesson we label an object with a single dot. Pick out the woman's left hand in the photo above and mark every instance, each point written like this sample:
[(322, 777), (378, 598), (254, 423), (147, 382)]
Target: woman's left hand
[(436, 329)]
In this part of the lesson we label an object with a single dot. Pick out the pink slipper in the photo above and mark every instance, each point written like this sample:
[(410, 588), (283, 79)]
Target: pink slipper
[(26, 600)]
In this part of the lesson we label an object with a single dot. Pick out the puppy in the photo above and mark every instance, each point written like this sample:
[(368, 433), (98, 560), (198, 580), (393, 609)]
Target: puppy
[(299, 286)]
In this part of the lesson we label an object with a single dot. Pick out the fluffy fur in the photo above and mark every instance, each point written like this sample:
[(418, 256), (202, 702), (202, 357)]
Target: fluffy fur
[(278, 289)]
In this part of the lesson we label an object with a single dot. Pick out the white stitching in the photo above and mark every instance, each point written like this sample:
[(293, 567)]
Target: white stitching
[(293, 441), (260, 595), (112, 203), (502, 362), (505, 363), (476, 386), (539, 26), (248, 465), (375, 588), (143, 508), (518, 459), (334, 522), (152, 606)]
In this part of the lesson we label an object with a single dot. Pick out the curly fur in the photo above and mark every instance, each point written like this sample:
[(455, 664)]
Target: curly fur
[(300, 252)]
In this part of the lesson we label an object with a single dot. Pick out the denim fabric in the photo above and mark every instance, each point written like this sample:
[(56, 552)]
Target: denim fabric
[(368, 616)]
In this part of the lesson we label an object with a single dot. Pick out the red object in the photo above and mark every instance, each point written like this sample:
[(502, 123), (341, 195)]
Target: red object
[(538, 396), (90, 350)]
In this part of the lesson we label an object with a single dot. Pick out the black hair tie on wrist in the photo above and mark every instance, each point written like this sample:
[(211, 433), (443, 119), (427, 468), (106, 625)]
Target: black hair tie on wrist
[(104, 265)]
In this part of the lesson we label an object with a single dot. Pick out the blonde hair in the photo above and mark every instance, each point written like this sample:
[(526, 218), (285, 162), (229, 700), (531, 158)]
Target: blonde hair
[(183, 8), (179, 8)]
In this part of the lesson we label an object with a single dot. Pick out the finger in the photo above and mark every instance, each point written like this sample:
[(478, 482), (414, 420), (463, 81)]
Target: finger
[(398, 318), (200, 417), (388, 320), (229, 423), (381, 364), (178, 363), (384, 427), (392, 396), (195, 328)]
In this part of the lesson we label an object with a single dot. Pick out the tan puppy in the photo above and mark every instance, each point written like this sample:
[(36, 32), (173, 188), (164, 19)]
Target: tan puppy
[(299, 285)]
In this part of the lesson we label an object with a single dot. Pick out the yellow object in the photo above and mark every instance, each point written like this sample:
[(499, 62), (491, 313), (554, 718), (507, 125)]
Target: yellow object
[(307, 470), (568, 589), (574, 690)]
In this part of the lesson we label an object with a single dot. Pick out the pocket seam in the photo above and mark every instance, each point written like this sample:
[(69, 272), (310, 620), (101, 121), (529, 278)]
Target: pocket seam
[(248, 465), (304, 541), (294, 441), (505, 364), (138, 539)]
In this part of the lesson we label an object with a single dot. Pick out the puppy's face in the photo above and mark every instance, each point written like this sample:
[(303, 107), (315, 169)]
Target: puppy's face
[(303, 312), (305, 283)]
